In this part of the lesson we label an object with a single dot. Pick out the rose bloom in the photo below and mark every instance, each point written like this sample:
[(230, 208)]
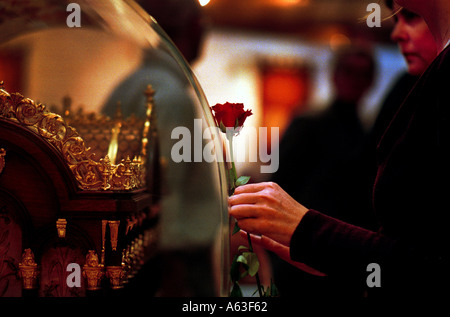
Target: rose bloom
[(230, 115)]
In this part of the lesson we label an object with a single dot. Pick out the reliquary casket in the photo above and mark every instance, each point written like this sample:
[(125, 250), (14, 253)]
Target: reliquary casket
[(80, 188), (64, 211)]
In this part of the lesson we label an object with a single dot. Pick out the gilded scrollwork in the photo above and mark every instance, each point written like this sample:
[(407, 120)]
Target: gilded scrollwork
[(91, 174)]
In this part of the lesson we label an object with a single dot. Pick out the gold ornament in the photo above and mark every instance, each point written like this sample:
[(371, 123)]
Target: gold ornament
[(61, 227), (2, 159), (90, 174), (28, 270), (114, 233), (116, 275), (93, 271)]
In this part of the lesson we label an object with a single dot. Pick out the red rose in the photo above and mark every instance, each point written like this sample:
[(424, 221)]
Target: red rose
[(230, 115)]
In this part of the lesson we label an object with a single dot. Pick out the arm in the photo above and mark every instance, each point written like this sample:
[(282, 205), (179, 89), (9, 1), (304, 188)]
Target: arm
[(319, 241)]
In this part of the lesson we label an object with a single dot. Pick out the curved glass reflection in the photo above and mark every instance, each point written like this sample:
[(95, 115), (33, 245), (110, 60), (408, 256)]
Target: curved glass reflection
[(99, 64)]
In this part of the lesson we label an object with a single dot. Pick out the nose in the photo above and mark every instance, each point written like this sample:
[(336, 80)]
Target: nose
[(399, 33)]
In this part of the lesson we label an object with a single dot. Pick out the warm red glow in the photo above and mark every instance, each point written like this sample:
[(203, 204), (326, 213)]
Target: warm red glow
[(286, 3), (285, 92)]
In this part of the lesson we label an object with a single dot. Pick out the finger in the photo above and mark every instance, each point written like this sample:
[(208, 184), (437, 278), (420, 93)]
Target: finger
[(284, 253), (250, 188), (255, 238), (274, 246), (242, 211), (249, 225), (242, 199), (281, 250)]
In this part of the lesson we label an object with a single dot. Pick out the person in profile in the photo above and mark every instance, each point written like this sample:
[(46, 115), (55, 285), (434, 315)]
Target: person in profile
[(411, 246), (416, 43), (189, 212)]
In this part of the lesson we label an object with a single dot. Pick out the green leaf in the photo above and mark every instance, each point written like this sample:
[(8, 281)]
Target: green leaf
[(222, 127), (242, 247), (250, 260), (242, 180), (236, 228), (242, 259)]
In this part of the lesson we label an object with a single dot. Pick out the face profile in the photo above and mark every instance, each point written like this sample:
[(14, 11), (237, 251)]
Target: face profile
[(414, 39)]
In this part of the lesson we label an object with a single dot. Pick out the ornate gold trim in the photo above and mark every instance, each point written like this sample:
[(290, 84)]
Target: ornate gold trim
[(90, 174), (28, 270), (114, 233), (116, 275), (2, 159), (61, 227), (93, 271), (104, 223)]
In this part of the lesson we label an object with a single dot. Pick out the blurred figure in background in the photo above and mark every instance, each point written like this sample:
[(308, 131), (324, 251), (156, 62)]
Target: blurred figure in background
[(330, 136), (189, 212), (183, 22), (313, 168)]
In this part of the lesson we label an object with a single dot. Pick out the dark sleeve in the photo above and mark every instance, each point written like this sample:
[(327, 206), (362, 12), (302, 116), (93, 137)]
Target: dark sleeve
[(415, 257), (341, 249), (329, 244)]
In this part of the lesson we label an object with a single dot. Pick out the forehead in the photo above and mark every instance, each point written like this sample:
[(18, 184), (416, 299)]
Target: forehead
[(414, 5), (398, 10)]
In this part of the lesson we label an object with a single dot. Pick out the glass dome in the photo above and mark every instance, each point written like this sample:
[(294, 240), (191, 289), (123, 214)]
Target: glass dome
[(91, 62)]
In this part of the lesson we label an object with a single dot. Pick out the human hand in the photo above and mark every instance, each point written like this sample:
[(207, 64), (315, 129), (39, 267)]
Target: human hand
[(266, 209), (282, 251)]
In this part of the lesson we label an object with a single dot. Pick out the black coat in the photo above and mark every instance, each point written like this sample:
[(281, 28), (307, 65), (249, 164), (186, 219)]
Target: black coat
[(410, 200)]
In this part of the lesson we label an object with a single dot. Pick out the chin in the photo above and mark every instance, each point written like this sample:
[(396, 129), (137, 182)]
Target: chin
[(416, 70)]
